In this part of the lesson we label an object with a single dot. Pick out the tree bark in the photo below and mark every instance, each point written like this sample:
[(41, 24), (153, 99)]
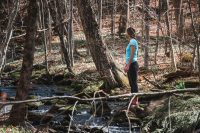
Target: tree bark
[(195, 35), (146, 54), (179, 17), (60, 31), (99, 51), (71, 36), (173, 60), (57, 8), (113, 19), (164, 4), (8, 36), (18, 111), (198, 56), (100, 14), (157, 32), (44, 35), (127, 13)]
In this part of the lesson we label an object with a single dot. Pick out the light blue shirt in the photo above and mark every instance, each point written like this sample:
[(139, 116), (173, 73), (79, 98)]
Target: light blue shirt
[(134, 43)]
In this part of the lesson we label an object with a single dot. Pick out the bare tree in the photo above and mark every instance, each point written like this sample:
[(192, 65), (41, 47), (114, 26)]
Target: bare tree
[(173, 60), (198, 56), (113, 19), (44, 36), (71, 32), (147, 19), (58, 10), (127, 13), (157, 31), (18, 111), (100, 14), (178, 11), (8, 35), (195, 35)]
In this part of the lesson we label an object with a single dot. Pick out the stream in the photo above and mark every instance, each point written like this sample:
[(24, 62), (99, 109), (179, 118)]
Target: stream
[(81, 118)]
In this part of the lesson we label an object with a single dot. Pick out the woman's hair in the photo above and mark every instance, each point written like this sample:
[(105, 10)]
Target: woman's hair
[(131, 32)]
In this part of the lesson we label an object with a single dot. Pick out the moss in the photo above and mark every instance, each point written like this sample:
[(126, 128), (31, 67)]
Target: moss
[(12, 129), (183, 114), (15, 75), (38, 73), (34, 105), (68, 75), (77, 87), (55, 102), (80, 42), (93, 87), (78, 107)]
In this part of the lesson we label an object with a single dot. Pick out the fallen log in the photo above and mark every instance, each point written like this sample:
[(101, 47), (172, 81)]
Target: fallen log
[(106, 98), (178, 74)]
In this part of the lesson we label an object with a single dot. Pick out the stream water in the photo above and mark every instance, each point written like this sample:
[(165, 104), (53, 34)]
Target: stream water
[(81, 118)]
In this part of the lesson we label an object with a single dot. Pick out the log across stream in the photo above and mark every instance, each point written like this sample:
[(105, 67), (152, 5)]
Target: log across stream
[(58, 113), (61, 111)]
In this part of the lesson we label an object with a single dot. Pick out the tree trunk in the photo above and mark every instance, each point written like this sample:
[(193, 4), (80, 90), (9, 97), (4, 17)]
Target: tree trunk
[(57, 8), (157, 32), (49, 20), (100, 14), (44, 36), (99, 51), (8, 36), (127, 13), (173, 60), (195, 35), (198, 56), (71, 36), (18, 111), (164, 4), (146, 54), (178, 17), (60, 31), (113, 19)]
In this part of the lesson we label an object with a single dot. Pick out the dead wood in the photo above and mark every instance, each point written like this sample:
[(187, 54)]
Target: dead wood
[(108, 98), (178, 74)]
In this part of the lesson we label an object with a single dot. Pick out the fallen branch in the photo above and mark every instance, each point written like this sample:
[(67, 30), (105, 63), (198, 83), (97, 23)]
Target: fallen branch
[(153, 83), (150, 94), (42, 30)]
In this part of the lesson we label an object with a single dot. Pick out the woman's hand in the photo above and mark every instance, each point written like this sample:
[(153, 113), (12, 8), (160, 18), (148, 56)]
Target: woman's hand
[(126, 68)]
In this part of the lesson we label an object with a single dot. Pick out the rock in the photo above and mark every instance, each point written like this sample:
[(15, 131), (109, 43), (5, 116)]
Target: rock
[(69, 75), (34, 105), (93, 87), (96, 130), (58, 78), (192, 84), (39, 66), (9, 67), (15, 75), (100, 109), (66, 82), (120, 117)]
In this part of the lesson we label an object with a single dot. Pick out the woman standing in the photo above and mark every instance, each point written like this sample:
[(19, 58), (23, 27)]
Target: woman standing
[(131, 67)]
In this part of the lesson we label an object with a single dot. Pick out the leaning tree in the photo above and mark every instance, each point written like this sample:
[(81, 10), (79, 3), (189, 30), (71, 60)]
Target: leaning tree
[(102, 58)]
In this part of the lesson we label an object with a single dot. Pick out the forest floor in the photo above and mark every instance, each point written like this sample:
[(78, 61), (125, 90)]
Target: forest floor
[(83, 63), (87, 81)]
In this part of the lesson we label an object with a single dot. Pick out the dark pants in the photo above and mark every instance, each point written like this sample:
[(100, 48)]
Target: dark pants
[(132, 76)]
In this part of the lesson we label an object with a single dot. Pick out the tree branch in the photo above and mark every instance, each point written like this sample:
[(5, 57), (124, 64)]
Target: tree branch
[(150, 94)]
